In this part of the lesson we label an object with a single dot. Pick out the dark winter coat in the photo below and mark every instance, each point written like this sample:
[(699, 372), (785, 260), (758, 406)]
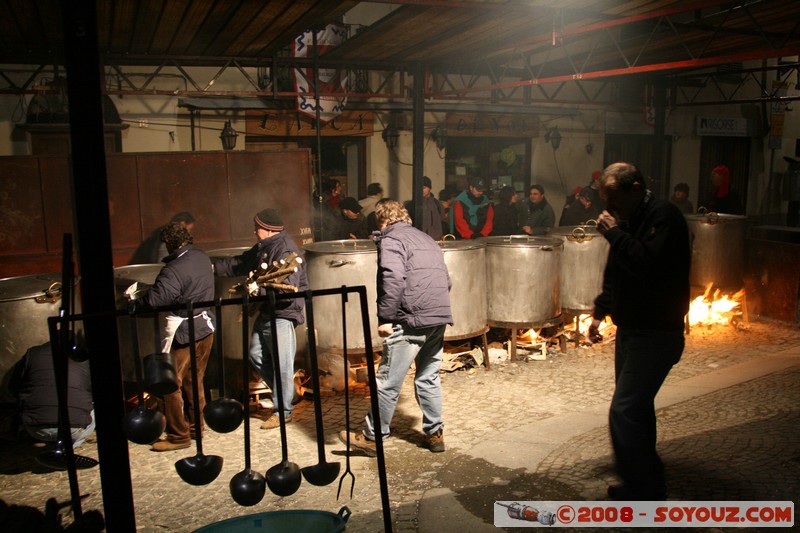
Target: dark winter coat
[(646, 280), (186, 277), (271, 249), (413, 283), (38, 403)]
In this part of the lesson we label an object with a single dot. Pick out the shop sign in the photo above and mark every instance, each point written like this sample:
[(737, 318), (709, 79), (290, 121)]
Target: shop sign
[(722, 126), (288, 123), (491, 125)]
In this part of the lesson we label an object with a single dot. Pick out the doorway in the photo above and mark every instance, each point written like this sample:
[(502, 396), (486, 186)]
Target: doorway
[(499, 161), (734, 153)]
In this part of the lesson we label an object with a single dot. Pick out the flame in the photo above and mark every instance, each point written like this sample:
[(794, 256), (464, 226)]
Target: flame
[(529, 336), (714, 309), (585, 320)]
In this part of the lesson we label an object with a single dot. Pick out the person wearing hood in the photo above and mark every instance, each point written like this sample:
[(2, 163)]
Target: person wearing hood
[(723, 199), (273, 244), (471, 213)]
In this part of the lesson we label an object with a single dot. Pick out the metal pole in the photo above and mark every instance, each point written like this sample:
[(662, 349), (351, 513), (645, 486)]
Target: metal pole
[(91, 216), (418, 150)]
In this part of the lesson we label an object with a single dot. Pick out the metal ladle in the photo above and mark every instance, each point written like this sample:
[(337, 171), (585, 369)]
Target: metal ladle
[(142, 425), (322, 473), (284, 478), (224, 415), (200, 469), (247, 487)]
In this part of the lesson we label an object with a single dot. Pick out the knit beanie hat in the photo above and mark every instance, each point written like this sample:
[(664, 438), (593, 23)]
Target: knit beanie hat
[(269, 219)]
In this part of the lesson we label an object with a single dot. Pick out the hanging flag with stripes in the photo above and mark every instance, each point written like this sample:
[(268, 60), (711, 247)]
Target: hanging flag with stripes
[(331, 81)]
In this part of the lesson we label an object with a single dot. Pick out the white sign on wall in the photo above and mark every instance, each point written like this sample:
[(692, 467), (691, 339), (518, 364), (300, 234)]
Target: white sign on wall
[(722, 126)]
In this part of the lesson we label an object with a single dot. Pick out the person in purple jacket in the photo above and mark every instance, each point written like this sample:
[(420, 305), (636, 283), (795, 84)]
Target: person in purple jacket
[(413, 311)]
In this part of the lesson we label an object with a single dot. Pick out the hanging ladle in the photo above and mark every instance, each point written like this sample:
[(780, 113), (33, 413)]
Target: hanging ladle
[(248, 486), (200, 469), (224, 415), (142, 425), (322, 473), (347, 471), (284, 478)]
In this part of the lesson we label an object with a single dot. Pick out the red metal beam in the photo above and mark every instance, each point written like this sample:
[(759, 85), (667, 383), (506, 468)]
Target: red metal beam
[(692, 63)]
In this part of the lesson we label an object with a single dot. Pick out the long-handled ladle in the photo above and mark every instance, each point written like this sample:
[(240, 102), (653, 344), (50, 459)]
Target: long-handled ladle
[(284, 478), (248, 486), (142, 425), (322, 473), (200, 469), (347, 471), (224, 415)]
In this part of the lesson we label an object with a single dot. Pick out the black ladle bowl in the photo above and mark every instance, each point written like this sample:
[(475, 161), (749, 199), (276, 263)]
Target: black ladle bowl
[(322, 473), (284, 478), (200, 469), (248, 487), (223, 415), (143, 426)]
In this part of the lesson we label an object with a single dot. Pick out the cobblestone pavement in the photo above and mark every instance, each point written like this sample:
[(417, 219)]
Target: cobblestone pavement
[(733, 439)]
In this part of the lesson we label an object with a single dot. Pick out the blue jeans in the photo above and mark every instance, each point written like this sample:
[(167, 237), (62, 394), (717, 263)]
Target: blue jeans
[(423, 346), (261, 357), (50, 434), (642, 360)]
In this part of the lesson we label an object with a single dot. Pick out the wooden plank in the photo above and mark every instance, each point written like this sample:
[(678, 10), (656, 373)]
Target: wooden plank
[(21, 216), (275, 179), (56, 201), (176, 182)]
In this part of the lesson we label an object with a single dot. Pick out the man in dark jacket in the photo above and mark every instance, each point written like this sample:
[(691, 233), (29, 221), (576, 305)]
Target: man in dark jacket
[(273, 245), (413, 312), (34, 383), (541, 217), (186, 277), (646, 292)]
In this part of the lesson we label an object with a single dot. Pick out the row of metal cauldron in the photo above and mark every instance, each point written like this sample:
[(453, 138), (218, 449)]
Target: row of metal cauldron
[(516, 281)]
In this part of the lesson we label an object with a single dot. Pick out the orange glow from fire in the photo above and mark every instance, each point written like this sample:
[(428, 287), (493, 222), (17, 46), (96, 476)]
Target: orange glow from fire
[(711, 309)]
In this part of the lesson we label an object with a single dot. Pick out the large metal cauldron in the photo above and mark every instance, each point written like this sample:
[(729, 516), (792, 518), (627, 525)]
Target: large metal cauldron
[(717, 241), (231, 314), (124, 277), (332, 264), (582, 264), (466, 264), (24, 309), (522, 279)]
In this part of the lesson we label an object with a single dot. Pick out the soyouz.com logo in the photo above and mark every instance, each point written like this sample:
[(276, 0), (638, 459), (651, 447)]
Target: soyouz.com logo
[(644, 514)]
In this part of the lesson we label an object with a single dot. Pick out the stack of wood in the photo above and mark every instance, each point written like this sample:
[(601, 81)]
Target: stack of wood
[(270, 276)]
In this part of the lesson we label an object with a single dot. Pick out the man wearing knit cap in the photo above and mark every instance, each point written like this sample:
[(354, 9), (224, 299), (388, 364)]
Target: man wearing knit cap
[(723, 198), (273, 244)]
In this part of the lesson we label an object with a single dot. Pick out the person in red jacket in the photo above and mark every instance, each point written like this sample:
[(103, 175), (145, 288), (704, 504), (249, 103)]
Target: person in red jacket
[(471, 213)]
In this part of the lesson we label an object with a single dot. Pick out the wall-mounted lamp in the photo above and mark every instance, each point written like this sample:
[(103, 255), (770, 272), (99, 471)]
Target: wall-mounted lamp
[(439, 136), (228, 136), (390, 135), (553, 137)]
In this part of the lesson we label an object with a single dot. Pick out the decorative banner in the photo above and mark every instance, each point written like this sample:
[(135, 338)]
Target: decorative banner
[(330, 80)]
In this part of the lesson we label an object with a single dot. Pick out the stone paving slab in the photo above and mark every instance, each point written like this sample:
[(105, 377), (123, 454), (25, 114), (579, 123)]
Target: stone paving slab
[(519, 431)]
